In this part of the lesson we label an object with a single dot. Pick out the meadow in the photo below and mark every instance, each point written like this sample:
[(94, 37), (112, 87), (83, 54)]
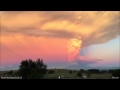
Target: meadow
[(65, 74)]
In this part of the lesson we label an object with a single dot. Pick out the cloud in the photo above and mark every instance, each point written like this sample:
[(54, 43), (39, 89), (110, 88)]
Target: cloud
[(83, 64), (95, 27), (9, 67)]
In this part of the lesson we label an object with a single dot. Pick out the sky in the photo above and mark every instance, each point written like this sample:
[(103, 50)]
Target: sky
[(60, 38)]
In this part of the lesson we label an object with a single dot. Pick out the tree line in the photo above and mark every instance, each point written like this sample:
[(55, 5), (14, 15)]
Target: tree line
[(30, 69)]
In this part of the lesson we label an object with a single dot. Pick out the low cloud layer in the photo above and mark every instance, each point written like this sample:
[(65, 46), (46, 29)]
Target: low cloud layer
[(94, 27)]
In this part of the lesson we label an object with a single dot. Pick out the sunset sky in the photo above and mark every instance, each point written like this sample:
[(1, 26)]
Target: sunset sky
[(49, 34)]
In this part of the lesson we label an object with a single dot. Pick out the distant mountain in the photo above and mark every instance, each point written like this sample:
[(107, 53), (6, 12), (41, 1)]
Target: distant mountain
[(78, 65), (75, 66), (12, 67), (84, 64)]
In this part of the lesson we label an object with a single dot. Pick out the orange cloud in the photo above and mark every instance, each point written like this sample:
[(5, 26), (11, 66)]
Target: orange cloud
[(46, 34), (94, 26), (20, 47)]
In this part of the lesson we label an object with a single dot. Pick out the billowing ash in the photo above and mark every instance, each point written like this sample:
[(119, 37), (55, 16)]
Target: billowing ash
[(74, 47)]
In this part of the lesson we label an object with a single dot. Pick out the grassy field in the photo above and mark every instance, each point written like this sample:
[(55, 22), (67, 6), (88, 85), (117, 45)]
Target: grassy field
[(66, 74), (62, 72)]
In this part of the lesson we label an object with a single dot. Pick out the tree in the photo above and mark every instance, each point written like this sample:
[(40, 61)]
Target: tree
[(103, 71), (94, 70), (30, 69), (74, 71), (70, 71), (79, 74), (116, 73), (41, 68), (81, 70), (24, 70)]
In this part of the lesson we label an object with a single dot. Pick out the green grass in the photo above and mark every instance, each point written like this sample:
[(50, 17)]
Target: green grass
[(101, 76), (66, 74)]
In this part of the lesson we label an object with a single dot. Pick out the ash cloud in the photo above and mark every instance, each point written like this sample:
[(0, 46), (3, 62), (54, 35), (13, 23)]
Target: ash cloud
[(95, 27)]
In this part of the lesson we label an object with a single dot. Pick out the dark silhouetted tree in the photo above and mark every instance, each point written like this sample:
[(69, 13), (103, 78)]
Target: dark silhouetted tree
[(79, 74), (70, 71), (94, 70), (116, 73), (30, 69), (41, 68), (74, 71), (103, 71), (24, 70), (110, 71), (81, 70)]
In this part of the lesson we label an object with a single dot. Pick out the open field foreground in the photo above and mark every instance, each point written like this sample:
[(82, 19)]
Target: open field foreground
[(65, 74)]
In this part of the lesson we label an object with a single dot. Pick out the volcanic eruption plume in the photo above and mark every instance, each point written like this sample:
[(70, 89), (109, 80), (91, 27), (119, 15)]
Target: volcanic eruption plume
[(74, 47)]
